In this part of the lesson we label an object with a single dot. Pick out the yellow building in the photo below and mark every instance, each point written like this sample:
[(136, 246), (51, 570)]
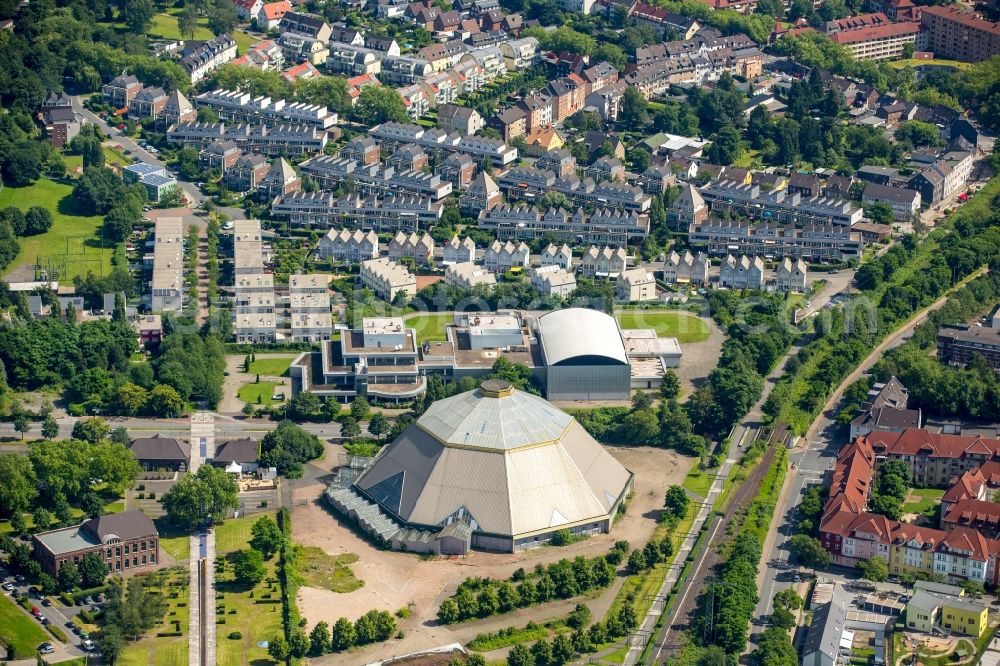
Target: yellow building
[(936, 605), (915, 555)]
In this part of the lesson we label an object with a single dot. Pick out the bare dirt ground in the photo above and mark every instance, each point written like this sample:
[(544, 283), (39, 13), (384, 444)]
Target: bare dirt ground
[(393, 580), (699, 358)]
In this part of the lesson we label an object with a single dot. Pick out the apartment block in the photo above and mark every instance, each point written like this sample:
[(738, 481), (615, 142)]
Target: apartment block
[(741, 273), (686, 268), (606, 226), (553, 280), (309, 305), (606, 262), (275, 141), (387, 278), (254, 312), (829, 243), (167, 284), (388, 214), (960, 35), (374, 179), (635, 285), (348, 246), (502, 257), (240, 107), (467, 276)]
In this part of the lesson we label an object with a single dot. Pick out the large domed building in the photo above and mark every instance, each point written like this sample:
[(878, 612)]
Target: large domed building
[(493, 469)]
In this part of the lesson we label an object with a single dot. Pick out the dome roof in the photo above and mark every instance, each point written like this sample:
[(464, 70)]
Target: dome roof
[(579, 336), (507, 461), (494, 417)]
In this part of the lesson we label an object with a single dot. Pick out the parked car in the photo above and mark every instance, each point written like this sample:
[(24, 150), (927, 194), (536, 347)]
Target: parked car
[(36, 611), (8, 586), (88, 645), (46, 648), (46, 602)]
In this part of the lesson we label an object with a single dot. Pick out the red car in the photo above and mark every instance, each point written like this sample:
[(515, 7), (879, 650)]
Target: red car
[(36, 611), (122, 126)]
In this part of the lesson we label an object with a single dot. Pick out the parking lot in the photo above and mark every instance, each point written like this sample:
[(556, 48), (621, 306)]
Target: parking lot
[(49, 613)]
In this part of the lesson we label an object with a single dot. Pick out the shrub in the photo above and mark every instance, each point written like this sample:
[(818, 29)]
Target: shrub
[(235, 635)]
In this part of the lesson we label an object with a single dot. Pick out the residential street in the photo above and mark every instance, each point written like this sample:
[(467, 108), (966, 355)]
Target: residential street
[(192, 192), (811, 464)]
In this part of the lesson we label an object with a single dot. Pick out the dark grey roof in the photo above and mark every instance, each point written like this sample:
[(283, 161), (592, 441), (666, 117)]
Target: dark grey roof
[(127, 525), (159, 447), (900, 195), (238, 450)]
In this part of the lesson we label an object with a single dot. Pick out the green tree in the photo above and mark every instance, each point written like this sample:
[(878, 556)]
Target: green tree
[(520, 655), (278, 649), (18, 484), (782, 618), (165, 402), (197, 498), (349, 428), (343, 636), (447, 612), (91, 430), (287, 447), (670, 387), (809, 552), (42, 518), (111, 643), (37, 220), (319, 639), (304, 406), (874, 569), (93, 570), (360, 408), (266, 536), (725, 147), (640, 426), (222, 18), (187, 21), (137, 15), (635, 109), (248, 567), (636, 562), (677, 501), (378, 425), (379, 104), (69, 576), (22, 423)]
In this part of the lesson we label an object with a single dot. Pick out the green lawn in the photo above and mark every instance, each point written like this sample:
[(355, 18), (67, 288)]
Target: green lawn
[(71, 247), (253, 613), (746, 159), (235, 532), (320, 569), (176, 542), (172, 584), (698, 482), (911, 62), (259, 394), (429, 327), (926, 502), (685, 327), (19, 631), (164, 26), (111, 507), (271, 366)]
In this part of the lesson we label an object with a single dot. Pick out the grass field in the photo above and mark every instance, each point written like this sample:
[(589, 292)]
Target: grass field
[(164, 26), (19, 631), (234, 534), (175, 541), (251, 612), (111, 507), (429, 327), (698, 482), (272, 366), (911, 62), (72, 244), (924, 501), (259, 394), (320, 569), (685, 327), (172, 584), (111, 156)]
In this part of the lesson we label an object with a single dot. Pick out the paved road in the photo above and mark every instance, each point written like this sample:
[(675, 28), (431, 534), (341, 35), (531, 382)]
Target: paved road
[(225, 427), (836, 284), (192, 192), (811, 464), (56, 615)]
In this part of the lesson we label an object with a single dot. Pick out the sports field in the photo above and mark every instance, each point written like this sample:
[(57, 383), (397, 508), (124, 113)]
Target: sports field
[(685, 327), (72, 246)]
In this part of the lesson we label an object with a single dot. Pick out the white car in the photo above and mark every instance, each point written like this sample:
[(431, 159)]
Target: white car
[(88, 645)]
